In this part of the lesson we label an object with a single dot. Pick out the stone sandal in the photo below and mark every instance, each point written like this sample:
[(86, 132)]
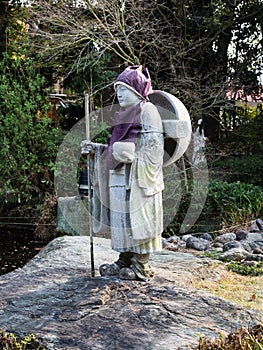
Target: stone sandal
[(109, 269)]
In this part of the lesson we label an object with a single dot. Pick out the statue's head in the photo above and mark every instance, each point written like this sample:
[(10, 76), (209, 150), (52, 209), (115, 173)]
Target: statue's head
[(136, 79), (127, 97)]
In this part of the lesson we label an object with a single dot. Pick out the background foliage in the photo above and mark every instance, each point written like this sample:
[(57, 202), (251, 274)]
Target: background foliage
[(207, 53), (28, 138)]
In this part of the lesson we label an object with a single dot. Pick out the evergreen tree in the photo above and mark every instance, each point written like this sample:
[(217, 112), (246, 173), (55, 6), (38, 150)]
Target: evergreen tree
[(28, 138)]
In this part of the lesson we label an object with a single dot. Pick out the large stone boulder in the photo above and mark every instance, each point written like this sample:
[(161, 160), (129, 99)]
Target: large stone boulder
[(55, 297)]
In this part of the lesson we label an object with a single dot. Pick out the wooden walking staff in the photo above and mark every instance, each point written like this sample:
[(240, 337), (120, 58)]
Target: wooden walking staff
[(87, 120)]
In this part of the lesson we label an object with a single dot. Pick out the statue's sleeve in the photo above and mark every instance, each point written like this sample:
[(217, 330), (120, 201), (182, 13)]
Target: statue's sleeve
[(150, 149)]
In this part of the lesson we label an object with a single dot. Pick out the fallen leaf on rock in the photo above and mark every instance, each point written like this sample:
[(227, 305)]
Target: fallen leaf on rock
[(253, 297)]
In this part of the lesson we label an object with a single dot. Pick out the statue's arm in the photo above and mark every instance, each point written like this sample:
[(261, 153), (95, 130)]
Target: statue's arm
[(88, 147)]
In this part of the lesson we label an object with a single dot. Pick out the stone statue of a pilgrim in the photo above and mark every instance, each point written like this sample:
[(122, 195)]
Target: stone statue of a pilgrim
[(128, 180)]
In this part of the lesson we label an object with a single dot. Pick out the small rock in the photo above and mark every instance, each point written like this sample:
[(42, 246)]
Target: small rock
[(257, 251), (249, 263), (247, 246), (259, 224), (168, 245), (255, 257), (216, 250), (226, 237), (206, 236), (182, 244), (165, 243), (254, 227), (173, 239), (241, 235), (230, 245), (255, 236), (197, 243), (236, 254), (217, 245), (185, 237), (254, 245)]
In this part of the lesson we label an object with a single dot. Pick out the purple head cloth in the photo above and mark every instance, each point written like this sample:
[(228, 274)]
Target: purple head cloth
[(137, 79), (127, 122)]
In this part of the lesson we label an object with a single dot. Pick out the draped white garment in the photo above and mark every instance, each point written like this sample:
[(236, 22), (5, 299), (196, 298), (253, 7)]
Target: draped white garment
[(128, 202)]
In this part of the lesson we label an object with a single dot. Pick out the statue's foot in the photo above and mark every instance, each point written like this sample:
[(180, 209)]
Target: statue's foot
[(136, 273), (127, 274), (109, 269)]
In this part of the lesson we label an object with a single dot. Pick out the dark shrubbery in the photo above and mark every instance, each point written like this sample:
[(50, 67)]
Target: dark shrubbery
[(233, 203), (247, 169), (29, 139), (227, 204)]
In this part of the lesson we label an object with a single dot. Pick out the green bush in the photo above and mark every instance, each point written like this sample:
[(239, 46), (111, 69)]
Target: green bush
[(233, 203), (28, 138), (247, 169), (246, 270), (226, 204)]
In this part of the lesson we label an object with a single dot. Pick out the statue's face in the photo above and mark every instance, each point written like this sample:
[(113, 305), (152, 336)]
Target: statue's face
[(127, 97)]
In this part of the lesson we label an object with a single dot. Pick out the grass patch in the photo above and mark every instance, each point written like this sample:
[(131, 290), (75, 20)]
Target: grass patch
[(243, 290), (211, 254), (246, 270), (243, 339)]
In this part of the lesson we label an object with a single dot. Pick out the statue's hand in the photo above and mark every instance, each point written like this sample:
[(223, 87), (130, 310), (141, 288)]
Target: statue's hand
[(124, 152), (88, 147)]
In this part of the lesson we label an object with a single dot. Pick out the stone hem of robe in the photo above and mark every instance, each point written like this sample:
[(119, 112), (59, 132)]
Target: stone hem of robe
[(154, 245)]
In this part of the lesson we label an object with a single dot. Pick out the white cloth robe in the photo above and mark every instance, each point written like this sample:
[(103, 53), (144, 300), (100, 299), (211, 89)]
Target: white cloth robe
[(128, 202)]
